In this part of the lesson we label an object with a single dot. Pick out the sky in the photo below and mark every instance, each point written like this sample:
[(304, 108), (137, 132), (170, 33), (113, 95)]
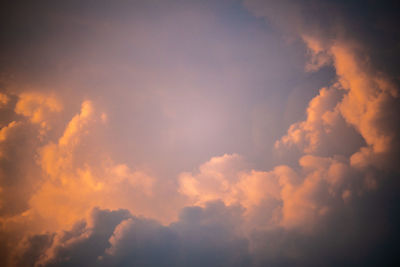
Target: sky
[(199, 133)]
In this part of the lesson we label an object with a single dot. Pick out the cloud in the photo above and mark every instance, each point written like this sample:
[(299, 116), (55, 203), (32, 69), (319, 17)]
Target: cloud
[(291, 198), (228, 178), (176, 102), (201, 236), (18, 173), (215, 235), (78, 178), (37, 107), (48, 186), (370, 98), (215, 180), (32, 249), (318, 55), (316, 130), (4, 99), (370, 105), (360, 103)]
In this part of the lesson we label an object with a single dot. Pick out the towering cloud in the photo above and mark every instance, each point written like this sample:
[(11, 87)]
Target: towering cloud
[(204, 133)]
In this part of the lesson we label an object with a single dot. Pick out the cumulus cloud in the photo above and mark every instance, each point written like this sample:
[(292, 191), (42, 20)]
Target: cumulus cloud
[(201, 236), (316, 130), (18, 173), (50, 185), (4, 99), (369, 96), (79, 179), (215, 180), (69, 197), (214, 235), (293, 198), (368, 104), (37, 107)]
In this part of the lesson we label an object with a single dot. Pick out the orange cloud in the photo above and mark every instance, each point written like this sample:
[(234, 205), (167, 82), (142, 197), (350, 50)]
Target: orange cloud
[(297, 199), (4, 99), (5, 131), (77, 183), (37, 106), (215, 180), (364, 98), (318, 54), (369, 105), (225, 178), (322, 116)]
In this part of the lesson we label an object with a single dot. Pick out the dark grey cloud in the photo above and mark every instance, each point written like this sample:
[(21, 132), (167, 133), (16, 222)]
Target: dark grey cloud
[(201, 237), (33, 249), (83, 245), (362, 233), (372, 23)]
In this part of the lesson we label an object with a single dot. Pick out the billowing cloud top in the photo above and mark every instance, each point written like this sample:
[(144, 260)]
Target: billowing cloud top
[(199, 133)]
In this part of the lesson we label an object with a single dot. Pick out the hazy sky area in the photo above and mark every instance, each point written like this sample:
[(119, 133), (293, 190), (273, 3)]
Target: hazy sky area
[(199, 133)]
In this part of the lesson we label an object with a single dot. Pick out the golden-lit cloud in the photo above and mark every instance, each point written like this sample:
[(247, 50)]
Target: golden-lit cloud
[(37, 107), (4, 99), (216, 180), (76, 184), (369, 105), (6, 130), (322, 116), (187, 134), (299, 198)]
